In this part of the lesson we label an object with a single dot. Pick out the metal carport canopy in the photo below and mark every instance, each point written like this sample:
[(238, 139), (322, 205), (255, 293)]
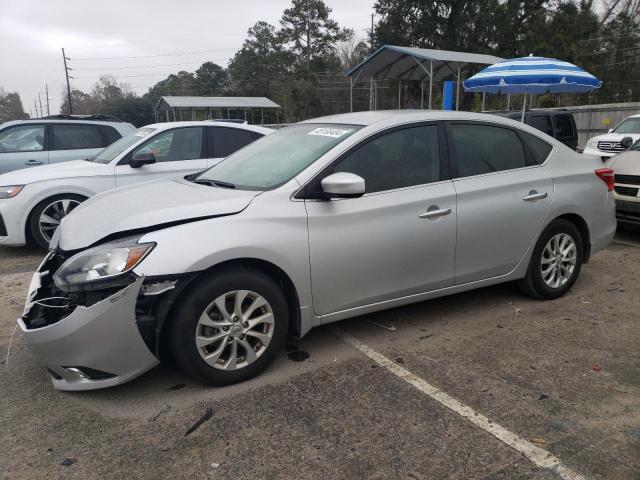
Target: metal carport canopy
[(411, 63)]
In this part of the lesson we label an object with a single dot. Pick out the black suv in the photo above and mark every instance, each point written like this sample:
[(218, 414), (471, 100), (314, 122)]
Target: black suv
[(558, 124)]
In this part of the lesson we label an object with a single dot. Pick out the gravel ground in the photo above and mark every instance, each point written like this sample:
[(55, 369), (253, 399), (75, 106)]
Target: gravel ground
[(565, 373)]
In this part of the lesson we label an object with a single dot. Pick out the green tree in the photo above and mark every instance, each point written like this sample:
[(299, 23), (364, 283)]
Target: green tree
[(11, 106), (262, 63), (310, 33), (212, 78)]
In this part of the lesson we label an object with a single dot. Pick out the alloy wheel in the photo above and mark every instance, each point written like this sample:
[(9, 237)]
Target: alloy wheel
[(234, 330), (558, 260), (53, 214)]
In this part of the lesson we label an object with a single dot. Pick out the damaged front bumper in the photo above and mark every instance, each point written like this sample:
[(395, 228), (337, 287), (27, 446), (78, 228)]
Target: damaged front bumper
[(85, 344)]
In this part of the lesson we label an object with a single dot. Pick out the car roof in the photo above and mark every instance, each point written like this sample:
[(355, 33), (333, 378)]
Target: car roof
[(402, 116), (74, 121), (199, 123)]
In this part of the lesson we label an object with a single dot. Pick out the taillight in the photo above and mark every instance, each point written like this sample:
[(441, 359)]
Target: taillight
[(607, 176)]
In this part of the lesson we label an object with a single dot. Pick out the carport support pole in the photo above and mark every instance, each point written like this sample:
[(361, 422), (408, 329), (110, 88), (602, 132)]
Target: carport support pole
[(399, 93), (421, 95), (484, 94), (458, 89), (351, 94), (430, 82)]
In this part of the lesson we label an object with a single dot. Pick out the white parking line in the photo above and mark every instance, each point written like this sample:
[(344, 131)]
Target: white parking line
[(537, 455)]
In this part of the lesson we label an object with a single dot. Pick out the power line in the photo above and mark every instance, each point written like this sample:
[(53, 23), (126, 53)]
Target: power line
[(157, 55), (140, 66)]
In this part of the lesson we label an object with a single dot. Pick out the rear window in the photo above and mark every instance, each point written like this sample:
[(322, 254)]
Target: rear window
[(539, 149), (564, 125), (75, 137)]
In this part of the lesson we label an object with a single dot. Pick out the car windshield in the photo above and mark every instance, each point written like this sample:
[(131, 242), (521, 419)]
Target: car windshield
[(277, 158), (116, 148), (630, 125)]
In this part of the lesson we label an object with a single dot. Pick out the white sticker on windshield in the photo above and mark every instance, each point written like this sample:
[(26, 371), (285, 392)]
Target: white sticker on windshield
[(329, 132)]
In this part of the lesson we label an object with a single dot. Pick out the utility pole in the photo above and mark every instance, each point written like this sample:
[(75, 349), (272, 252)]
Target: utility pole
[(371, 34), (40, 101), (46, 88), (66, 73)]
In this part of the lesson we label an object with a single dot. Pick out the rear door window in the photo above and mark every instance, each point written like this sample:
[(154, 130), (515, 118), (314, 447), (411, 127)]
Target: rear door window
[(23, 138), (538, 148), (76, 137), (482, 148), (225, 140)]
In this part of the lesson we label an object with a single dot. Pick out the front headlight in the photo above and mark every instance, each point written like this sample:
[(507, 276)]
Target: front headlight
[(592, 143), (10, 191), (102, 262)]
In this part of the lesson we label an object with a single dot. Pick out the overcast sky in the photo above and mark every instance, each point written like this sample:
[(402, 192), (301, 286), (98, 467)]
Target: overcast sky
[(96, 35)]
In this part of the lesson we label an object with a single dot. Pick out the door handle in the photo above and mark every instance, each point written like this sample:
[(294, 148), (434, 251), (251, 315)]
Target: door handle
[(436, 212), (533, 196), (33, 162)]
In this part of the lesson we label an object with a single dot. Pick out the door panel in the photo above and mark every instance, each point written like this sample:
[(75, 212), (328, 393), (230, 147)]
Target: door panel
[(495, 224), (377, 247)]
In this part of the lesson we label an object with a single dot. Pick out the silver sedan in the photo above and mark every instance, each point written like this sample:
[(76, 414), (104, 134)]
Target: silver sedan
[(325, 220)]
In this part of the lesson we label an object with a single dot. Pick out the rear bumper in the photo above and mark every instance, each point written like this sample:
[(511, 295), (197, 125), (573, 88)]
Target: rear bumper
[(93, 347)]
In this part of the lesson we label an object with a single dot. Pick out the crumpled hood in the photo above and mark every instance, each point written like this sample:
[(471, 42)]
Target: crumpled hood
[(74, 168), (146, 205)]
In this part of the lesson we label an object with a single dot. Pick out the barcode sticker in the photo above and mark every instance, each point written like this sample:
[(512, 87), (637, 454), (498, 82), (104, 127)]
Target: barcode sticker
[(329, 132)]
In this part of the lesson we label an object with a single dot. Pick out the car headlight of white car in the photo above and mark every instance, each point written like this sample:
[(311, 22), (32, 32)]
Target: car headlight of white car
[(102, 262), (10, 191), (592, 143)]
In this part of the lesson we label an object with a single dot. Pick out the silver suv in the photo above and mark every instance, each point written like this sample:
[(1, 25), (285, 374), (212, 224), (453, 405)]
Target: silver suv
[(325, 220), (57, 138)]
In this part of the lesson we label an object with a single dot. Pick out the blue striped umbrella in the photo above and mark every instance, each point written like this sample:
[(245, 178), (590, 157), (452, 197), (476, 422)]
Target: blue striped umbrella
[(532, 75)]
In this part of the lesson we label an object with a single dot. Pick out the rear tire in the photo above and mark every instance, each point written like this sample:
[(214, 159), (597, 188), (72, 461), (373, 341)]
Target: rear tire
[(46, 216), (230, 327), (555, 262)]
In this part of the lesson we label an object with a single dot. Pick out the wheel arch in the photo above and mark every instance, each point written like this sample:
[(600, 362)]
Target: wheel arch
[(279, 276), (583, 228), (44, 198)]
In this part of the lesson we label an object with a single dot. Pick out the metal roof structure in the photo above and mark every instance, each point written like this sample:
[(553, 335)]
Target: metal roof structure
[(174, 106), (218, 102), (416, 64)]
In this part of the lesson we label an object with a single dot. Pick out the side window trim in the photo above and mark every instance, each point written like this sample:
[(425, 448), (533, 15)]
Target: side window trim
[(529, 159), (310, 193), (127, 158)]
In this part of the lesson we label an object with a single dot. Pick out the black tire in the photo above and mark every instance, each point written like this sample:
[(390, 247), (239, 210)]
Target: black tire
[(533, 284), (35, 235), (184, 324)]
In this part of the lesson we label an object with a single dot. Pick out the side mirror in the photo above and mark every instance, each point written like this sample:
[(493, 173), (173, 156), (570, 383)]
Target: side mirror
[(626, 142), (141, 159), (343, 185), (610, 130)]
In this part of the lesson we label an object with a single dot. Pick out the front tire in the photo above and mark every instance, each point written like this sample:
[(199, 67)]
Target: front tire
[(555, 262), (230, 327), (47, 215)]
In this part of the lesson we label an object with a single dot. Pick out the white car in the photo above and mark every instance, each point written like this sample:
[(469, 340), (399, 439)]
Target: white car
[(34, 201), (610, 144)]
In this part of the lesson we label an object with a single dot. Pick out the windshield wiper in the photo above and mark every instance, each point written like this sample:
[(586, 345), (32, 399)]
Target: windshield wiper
[(214, 183)]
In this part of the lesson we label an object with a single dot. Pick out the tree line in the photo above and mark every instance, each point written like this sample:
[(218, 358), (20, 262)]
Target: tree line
[(300, 63)]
